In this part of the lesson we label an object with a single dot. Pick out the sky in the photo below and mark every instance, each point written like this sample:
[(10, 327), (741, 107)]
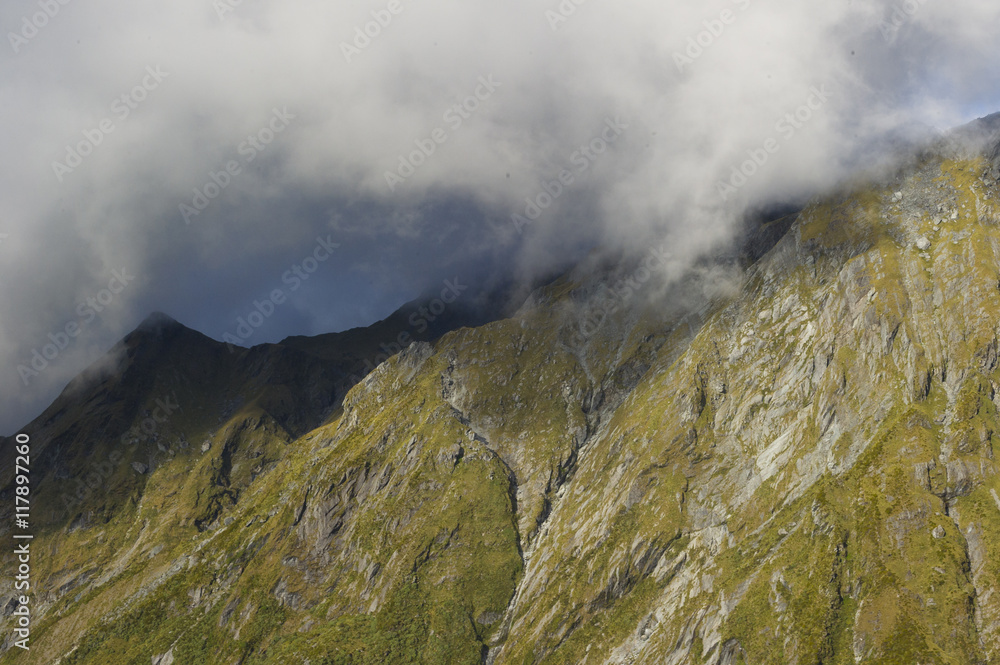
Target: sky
[(322, 163)]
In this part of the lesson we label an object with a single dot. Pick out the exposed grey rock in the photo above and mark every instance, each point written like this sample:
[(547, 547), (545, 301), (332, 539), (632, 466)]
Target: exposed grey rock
[(164, 659), (228, 612), (285, 597)]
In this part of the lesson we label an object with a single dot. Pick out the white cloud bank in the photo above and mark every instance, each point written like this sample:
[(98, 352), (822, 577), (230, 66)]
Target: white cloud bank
[(278, 121)]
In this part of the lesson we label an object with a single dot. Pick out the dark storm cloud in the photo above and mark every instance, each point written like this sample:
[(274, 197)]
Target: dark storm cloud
[(277, 123)]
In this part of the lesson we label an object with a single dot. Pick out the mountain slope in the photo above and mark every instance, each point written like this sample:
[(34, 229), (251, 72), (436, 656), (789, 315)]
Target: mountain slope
[(791, 463)]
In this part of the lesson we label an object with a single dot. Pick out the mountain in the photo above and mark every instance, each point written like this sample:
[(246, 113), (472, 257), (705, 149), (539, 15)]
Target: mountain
[(786, 456)]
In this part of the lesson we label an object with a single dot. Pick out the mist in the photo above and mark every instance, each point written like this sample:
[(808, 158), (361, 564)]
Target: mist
[(188, 156)]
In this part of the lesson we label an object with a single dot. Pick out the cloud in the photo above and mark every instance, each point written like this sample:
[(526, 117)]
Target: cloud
[(476, 109)]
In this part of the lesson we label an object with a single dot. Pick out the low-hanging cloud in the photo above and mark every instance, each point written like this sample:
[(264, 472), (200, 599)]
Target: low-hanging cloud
[(202, 146)]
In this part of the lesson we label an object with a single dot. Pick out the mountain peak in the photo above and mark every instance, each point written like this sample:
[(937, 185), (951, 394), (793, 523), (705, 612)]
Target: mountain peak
[(158, 322)]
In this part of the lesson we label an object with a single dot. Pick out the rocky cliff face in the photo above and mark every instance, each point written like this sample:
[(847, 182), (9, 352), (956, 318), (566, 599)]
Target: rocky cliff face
[(786, 462)]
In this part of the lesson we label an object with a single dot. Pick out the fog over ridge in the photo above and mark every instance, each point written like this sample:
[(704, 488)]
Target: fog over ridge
[(281, 122)]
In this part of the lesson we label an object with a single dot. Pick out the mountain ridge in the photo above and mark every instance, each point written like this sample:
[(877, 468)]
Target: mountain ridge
[(787, 458)]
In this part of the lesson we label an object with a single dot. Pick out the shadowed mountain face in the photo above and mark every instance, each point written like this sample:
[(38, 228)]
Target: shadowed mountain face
[(786, 456), (164, 381)]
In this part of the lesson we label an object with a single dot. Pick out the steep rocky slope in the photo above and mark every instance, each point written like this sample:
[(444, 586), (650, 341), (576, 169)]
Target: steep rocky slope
[(786, 462)]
